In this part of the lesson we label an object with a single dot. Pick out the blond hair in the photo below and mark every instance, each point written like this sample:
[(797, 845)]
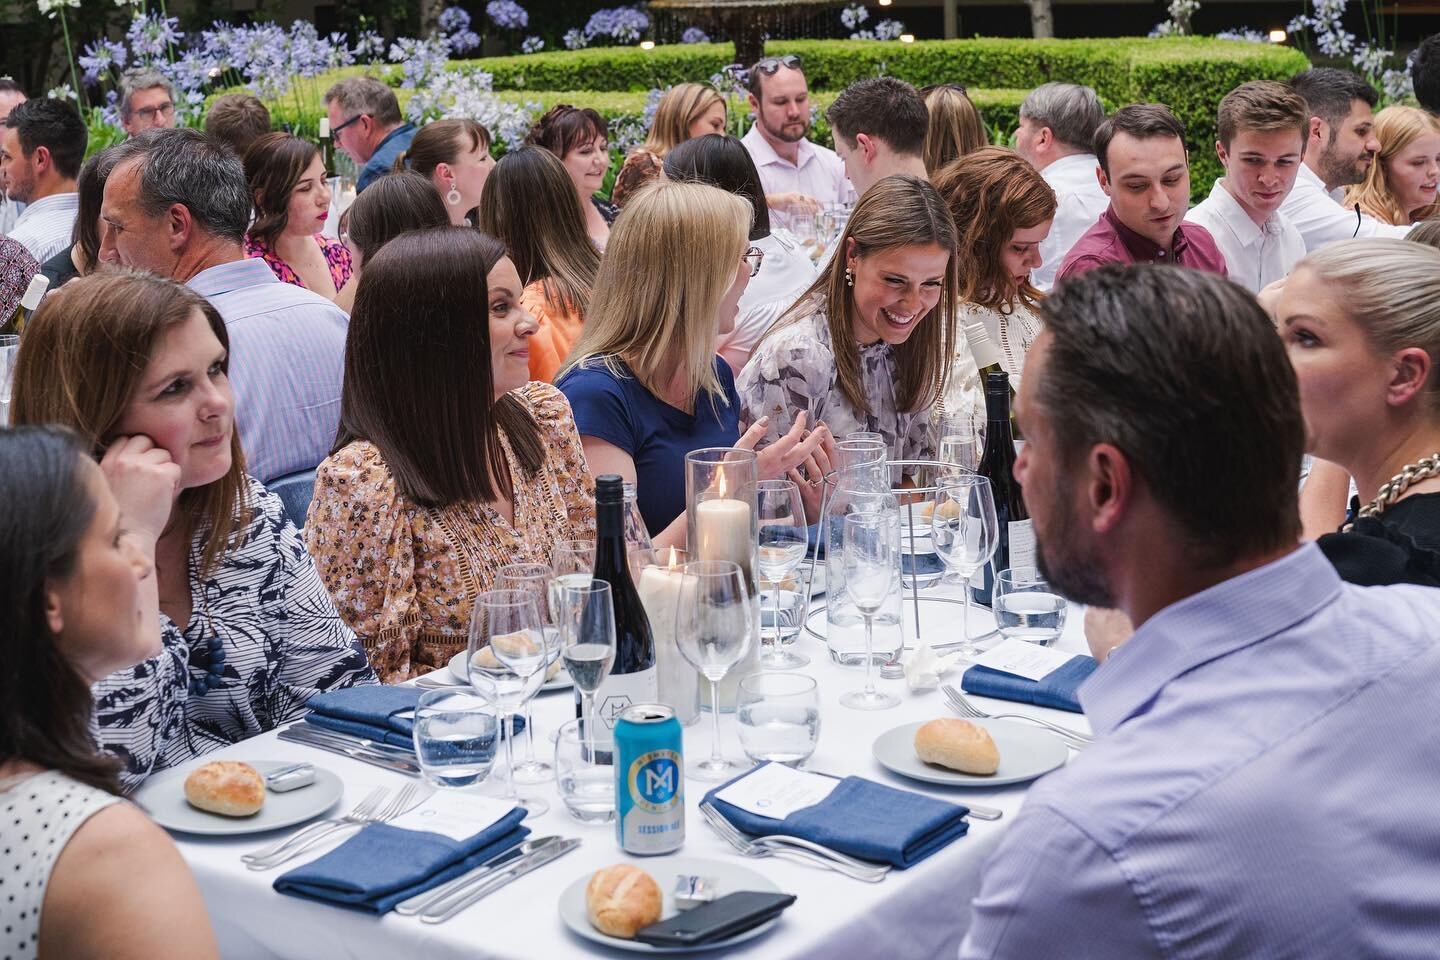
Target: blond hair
[(1396, 128), (956, 127), (681, 106), (671, 258)]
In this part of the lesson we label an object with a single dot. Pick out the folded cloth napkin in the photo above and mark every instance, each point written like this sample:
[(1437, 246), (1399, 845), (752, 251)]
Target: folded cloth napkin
[(1058, 689), (373, 712), (383, 865), (863, 818)]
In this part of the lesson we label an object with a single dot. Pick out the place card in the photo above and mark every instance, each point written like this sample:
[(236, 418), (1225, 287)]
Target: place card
[(458, 817), (776, 791), (1023, 659)]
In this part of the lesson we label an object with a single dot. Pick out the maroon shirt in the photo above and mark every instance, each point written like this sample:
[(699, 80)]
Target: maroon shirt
[(1110, 241)]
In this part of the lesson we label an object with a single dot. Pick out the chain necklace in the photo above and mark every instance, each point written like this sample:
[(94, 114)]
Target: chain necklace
[(1395, 487)]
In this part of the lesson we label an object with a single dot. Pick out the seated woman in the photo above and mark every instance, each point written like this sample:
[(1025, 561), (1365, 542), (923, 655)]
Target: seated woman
[(393, 204), (1002, 210), (1361, 321), (865, 349), (83, 255), (785, 269), (445, 470), (686, 110), (956, 127), (137, 366), (292, 201), (645, 381), (530, 207), (73, 586), (455, 156), (1400, 186), (580, 138)]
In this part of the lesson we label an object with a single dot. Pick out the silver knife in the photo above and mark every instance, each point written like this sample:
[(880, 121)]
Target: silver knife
[(347, 740), (444, 911), (421, 901), (364, 756)]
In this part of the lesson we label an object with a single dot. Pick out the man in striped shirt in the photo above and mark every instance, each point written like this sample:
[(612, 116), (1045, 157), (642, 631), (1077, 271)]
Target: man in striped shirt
[(41, 151)]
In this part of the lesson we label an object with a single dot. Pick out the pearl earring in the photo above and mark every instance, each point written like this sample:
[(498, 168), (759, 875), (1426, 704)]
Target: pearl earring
[(453, 197), (849, 278)]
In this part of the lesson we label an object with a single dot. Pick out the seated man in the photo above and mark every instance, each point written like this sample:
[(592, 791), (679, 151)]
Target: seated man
[(1146, 173), (366, 122), (879, 128), (1257, 787)]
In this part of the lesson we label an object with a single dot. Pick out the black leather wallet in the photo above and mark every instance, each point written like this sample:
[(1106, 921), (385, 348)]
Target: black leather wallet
[(731, 914)]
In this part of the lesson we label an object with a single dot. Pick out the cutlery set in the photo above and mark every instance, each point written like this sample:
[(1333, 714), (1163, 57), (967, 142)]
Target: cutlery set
[(961, 705), (794, 848), (372, 752)]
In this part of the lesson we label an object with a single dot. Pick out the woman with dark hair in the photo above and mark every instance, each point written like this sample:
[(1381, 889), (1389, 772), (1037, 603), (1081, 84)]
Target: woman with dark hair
[(446, 469), (530, 207), (136, 365), (455, 156), (580, 138), (72, 591), (785, 269), (84, 254), (292, 201), (393, 204)]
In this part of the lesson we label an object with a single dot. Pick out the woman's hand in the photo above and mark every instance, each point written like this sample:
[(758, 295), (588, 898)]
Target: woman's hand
[(145, 482), (790, 451)]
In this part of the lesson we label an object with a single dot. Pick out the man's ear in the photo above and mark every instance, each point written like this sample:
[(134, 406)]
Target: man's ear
[(866, 146), (179, 226), (1104, 180), (1111, 486)]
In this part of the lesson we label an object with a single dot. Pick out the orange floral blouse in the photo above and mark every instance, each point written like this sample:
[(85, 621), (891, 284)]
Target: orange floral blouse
[(403, 576)]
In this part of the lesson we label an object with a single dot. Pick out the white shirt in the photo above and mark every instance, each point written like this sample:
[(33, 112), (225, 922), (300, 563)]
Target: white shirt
[(1254, 256), (1322, 219), (817, 172), (10, 211), (1079, 203), (785, 273), (46, 226)]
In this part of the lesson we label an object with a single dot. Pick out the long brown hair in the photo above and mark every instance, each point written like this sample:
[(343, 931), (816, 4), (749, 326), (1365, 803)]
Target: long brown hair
[(956, 127), (992, 193), (418, 382), (274, 164), (441, 141), (898, 211), (82, 361), (529, 204)]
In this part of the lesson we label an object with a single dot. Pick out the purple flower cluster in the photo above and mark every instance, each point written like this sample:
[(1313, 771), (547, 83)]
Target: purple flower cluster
[(621, 24), (854, 15), (100, 56), (889, 30), (421, 61), (507, 14), (694, 35), (532, 45), (151, 36), (455, 26), (574, 39)]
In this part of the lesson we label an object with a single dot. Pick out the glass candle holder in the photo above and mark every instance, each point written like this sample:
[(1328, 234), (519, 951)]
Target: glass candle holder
[(658, 583)]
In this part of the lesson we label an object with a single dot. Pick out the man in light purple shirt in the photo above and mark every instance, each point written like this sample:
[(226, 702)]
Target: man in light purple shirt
[(1261, 783)]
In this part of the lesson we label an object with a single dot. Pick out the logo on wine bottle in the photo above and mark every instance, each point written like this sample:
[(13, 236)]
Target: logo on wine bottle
[(609, 709)]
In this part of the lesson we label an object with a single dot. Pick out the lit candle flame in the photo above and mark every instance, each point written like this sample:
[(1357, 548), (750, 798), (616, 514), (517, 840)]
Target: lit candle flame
[(673, 558), (722, 486)]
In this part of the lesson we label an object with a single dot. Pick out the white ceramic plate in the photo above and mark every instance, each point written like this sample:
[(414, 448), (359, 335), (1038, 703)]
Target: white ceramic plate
[(163, 798), (1026, 752), (728, 877), (562, 679)]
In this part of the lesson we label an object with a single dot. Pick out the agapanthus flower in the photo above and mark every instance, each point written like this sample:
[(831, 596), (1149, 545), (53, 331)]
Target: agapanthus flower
[(1243, 33), (853, 15), (453, 19), (51, 7), (694, 35), (100, 56), (574, 39), (150, 36), (889, 29), (369, 47), (532, 45), (621, 24), (507, 14), (421, 60)]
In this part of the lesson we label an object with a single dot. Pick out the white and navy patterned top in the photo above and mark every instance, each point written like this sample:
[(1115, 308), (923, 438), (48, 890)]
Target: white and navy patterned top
[(282, 643), (38, 815)]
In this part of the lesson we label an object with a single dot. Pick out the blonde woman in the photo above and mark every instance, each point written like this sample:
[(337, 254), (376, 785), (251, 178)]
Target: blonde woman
[(645, 382), (686, 110), (867, 346), (956, 127), (1401, 185)]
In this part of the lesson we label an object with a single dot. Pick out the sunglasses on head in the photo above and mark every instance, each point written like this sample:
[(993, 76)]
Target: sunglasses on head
[(957, 87), (771, 65)]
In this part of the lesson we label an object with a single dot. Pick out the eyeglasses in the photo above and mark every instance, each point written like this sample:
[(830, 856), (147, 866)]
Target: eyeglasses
[(770, 66), (148, 114), (754, 256), (335, 132)]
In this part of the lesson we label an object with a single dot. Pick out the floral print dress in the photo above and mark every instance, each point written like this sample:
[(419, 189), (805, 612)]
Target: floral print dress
[(1012, 333), (337, 257)]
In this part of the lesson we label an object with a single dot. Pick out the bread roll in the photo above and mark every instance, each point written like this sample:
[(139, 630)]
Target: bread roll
[(959, 745), (485, 659), (949, 510), (226, 787), (621, 900)]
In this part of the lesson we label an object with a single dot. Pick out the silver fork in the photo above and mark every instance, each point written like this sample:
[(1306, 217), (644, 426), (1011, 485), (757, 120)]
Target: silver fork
[(965, 708), (397, 805), (768, 847), (362, 811)]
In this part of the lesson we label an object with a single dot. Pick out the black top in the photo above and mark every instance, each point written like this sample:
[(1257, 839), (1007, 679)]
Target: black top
[(1402, 545), (60, 268), (607, 210)]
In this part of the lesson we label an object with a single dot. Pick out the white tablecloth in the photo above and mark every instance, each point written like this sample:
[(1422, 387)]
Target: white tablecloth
[(921, 912)]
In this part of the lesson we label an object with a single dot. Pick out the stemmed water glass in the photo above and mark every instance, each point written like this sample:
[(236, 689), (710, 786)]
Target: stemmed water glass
[(783, 537), (585, 614), (714, 627), (534, 578), (508, 622), (870, 555), (966, 535)]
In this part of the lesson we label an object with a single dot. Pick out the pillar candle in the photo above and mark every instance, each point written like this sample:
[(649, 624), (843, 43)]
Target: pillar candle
[(722, 527), (677, 680)]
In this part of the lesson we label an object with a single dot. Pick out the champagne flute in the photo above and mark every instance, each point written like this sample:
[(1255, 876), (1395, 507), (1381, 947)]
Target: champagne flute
[(959, 446), (966, 536), (534, 578), (508, 622), (783, 537), (871, 557), (714, 628), (585, 613), (573, 556)]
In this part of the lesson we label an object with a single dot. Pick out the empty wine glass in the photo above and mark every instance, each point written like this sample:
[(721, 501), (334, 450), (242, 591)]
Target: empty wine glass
[(783, 537), (870, 554), (534, 578), (966, 535), (585, 614), (573, 556), (714, 627), (508, 623)]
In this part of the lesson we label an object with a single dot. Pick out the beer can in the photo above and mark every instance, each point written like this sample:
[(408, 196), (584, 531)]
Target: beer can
[(649, 780)]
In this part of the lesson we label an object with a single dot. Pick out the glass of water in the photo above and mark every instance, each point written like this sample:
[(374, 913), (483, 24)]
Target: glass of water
[(456, 737), (1026, 607), (585, 774), (779, 717)]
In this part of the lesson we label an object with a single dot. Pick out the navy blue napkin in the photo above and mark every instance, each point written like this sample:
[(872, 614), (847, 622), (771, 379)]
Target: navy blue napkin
[(1059, 689), (383, 865), (373, 712), (863, 818)]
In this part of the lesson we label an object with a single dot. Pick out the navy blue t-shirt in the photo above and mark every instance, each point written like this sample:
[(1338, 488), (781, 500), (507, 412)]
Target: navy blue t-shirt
[(657, 436)]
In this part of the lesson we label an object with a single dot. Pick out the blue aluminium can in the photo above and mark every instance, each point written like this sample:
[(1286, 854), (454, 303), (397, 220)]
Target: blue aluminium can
[(649, 780)]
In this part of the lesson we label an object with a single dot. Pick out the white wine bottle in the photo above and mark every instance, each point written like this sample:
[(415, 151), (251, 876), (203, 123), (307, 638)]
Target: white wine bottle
[(29, 303)]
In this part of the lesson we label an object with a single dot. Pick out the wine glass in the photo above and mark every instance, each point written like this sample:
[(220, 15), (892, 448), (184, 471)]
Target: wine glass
[(508, 622), (871, 557), (573, 556), (783, 537), (585, 614), (959, 445), (966, 535), (714, 627), (533, 578)]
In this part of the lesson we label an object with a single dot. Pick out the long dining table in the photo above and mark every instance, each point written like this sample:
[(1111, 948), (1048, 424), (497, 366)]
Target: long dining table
[(920, 912)]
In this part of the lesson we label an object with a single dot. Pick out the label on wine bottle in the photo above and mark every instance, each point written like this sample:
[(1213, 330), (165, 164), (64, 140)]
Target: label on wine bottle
[(1022, 543), (622, 690)]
